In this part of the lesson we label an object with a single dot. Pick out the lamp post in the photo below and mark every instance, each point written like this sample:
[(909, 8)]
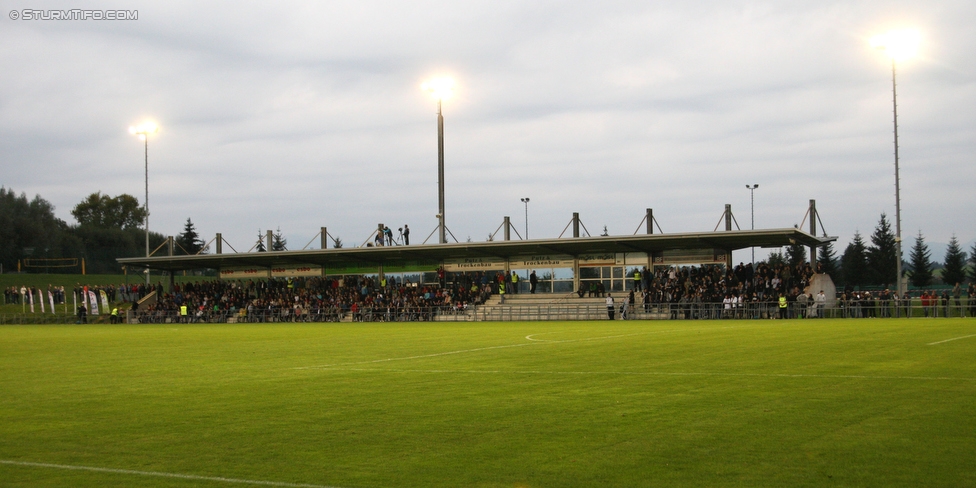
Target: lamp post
[(526, 202), (143, 130), (441, 89), (898, 45), (752, 198)]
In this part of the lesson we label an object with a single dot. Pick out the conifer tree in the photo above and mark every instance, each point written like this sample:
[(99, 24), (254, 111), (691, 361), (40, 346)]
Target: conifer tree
[(278, 241), (828, 258), (972, 264), (921, 275), (954, 266), (854, 262), (882, 256), (796, 254), (189, 240), (259, 247)]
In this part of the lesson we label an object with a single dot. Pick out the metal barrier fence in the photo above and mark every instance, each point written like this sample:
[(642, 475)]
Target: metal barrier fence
[(711, 311), (553, 311)]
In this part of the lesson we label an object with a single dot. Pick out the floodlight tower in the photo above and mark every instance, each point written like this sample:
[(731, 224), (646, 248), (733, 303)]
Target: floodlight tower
[(143, 130), (899, 45), (441, 89), (526, 202)]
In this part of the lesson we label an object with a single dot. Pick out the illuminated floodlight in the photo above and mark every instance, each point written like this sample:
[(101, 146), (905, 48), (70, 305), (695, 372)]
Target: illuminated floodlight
[(144, 129), (898, 44), (439, 88)]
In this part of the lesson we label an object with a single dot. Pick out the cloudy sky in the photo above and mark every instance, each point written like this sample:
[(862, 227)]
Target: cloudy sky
[(301, 115)]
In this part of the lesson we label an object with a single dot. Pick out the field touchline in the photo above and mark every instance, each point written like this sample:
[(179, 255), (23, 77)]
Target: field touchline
[(950, 340), (163, 475)]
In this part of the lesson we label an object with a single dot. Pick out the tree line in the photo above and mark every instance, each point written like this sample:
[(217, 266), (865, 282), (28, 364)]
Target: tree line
[(875, 263), (107, 228)]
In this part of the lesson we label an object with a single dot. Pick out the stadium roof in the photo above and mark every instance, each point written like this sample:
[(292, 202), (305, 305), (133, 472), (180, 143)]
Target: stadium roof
[(576, 246)]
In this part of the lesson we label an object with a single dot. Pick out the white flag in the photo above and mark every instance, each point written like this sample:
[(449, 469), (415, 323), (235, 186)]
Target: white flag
[(105, 307), (93, 300)]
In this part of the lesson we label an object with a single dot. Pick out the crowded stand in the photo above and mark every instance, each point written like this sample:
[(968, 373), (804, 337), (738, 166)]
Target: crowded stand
[(686, 292), (362, 298)]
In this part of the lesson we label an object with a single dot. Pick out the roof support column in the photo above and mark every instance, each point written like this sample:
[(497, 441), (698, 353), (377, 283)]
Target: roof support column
[(813, 232), (728, 227)]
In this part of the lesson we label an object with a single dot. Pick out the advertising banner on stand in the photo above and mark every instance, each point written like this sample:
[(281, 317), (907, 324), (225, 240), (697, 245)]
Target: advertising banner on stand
[(105, 307), (93, 300)]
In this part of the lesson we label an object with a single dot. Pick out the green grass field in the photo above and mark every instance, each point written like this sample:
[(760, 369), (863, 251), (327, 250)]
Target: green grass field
[(544, 404)]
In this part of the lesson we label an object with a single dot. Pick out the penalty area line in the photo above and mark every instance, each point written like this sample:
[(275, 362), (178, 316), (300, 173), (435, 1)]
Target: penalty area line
[(160, 474), (950, 340)]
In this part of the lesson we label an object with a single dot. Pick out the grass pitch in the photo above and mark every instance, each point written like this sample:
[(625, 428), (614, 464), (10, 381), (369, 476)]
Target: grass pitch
[(667, 403)]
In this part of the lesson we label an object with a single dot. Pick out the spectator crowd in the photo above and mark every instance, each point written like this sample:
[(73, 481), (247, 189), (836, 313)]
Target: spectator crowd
[(689, 292), (363, 298)]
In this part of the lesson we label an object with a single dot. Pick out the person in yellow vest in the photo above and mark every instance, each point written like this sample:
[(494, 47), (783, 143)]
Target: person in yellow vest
[(515, 280), (183, 313), (115, 316), (501, 289), (782, 305), (637, 280)]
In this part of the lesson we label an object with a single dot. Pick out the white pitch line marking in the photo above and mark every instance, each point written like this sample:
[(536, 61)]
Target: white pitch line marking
[(163, 475), (478, 349), (652, 373), (953, 339), (422, 356)]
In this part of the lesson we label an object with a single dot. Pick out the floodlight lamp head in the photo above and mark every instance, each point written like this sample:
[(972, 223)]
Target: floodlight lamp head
[(899, 45), (144, 129), (439, 88)]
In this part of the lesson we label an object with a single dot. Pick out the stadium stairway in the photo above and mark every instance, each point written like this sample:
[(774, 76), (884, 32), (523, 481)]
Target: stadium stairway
[(552, 306), (541, 306)]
